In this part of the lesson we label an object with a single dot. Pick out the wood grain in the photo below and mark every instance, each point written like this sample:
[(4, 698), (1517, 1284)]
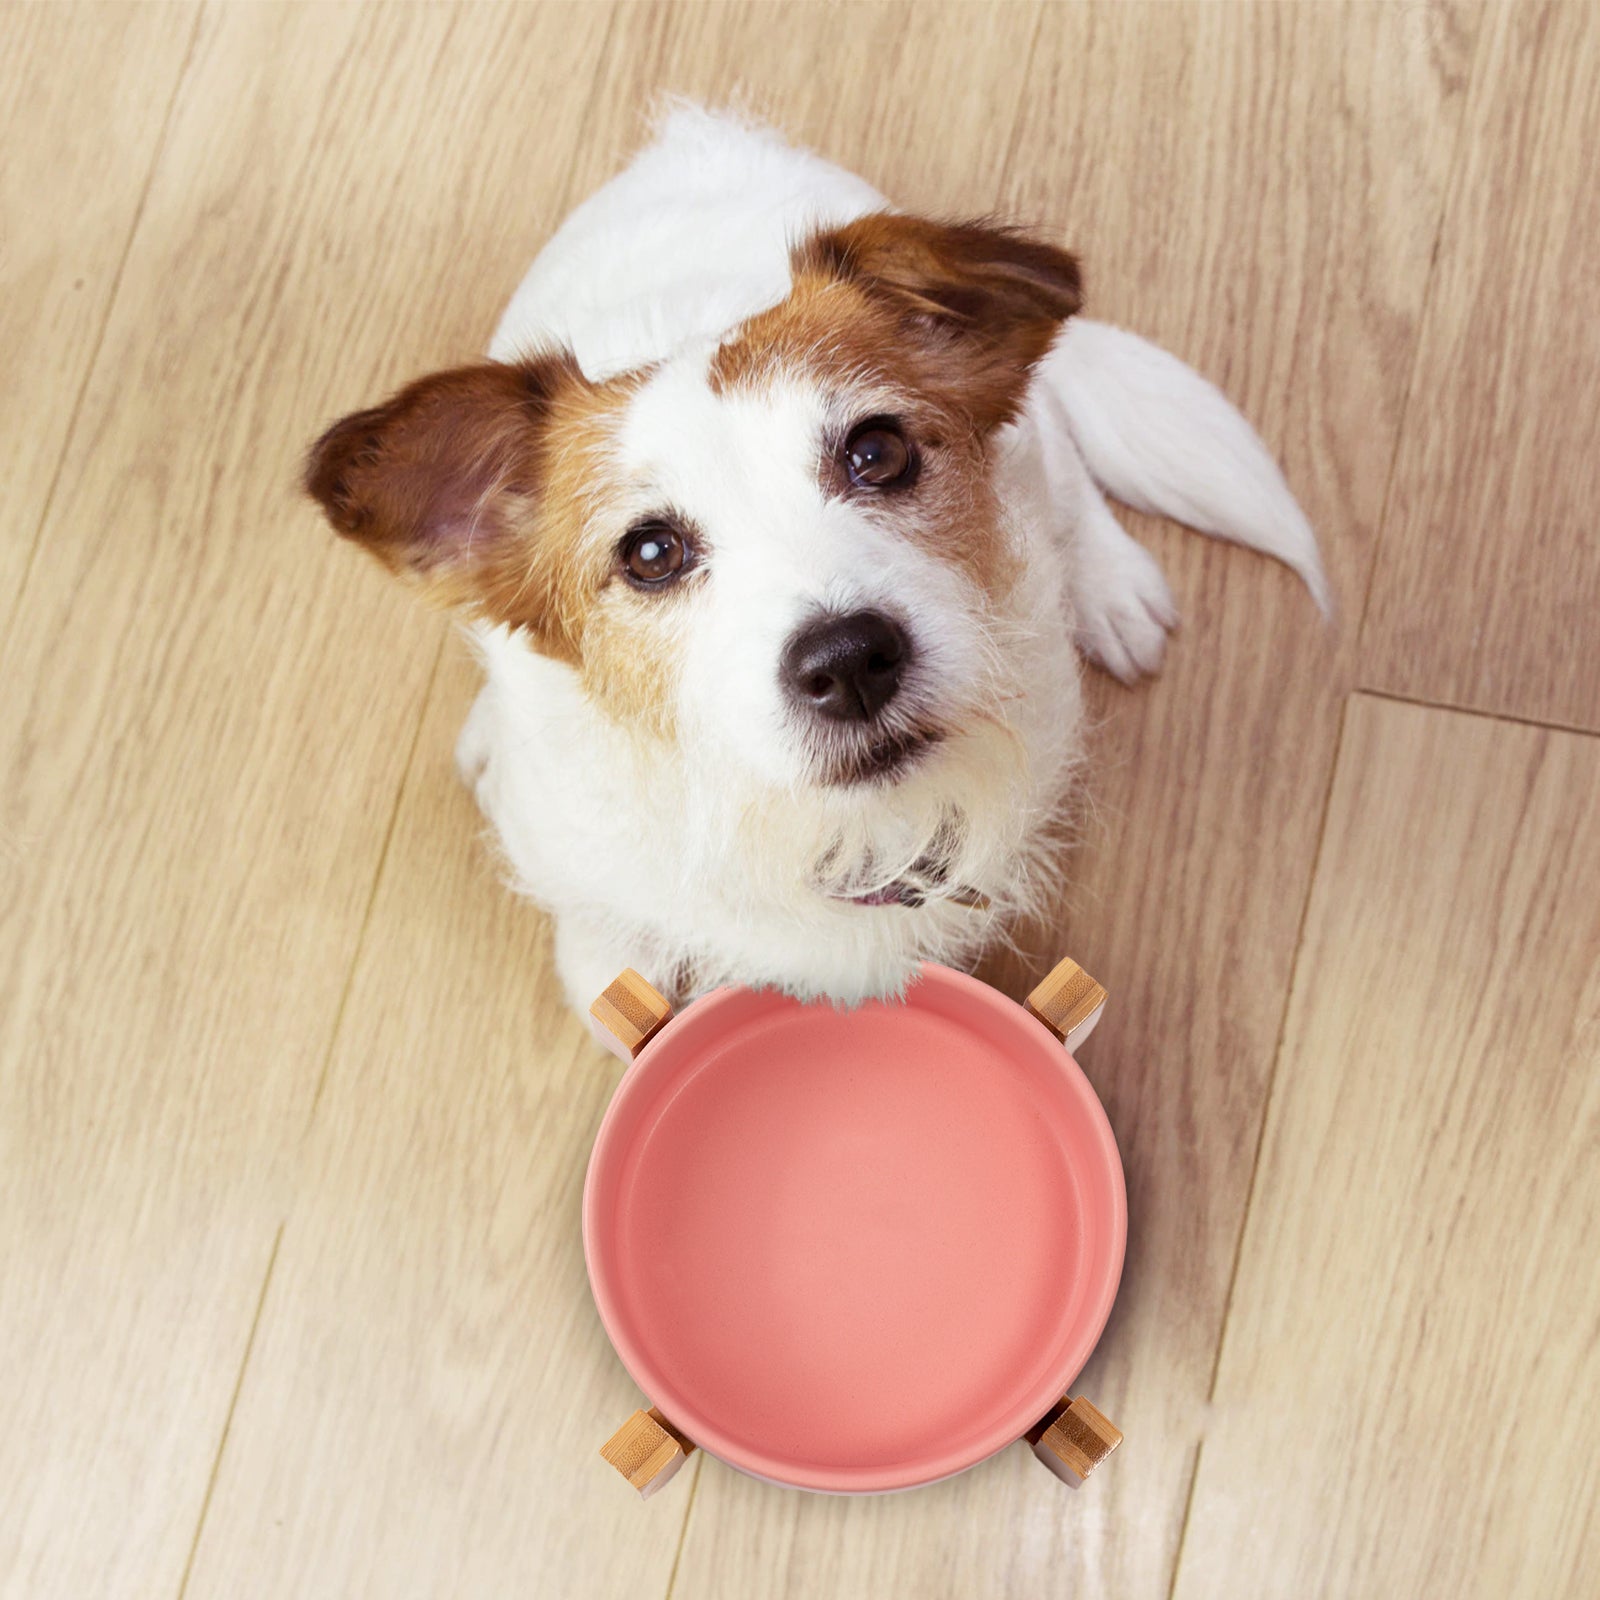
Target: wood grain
[(1487, 592), (84, 93), (429, 1345), (208, 709), (1274, 225), (888, 87), (1404, 1404)]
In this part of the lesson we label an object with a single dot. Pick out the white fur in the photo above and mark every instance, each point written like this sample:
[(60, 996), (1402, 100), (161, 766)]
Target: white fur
[(712, 858), (1159, 438)]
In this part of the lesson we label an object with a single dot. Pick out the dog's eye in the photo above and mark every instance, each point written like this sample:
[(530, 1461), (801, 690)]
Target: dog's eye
[(877, 455), (654, 553)]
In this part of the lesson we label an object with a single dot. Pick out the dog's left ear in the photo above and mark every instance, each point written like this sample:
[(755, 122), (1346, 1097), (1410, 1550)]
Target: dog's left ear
[(981, 304)]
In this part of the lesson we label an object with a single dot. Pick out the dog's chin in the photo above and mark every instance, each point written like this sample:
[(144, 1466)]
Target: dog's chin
[(877, 760)]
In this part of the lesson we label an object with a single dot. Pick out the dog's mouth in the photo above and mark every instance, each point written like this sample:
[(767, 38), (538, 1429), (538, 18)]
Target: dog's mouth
[(884, 759)]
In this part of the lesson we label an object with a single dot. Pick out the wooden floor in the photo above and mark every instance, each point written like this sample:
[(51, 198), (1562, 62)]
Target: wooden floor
[(292, 1122)]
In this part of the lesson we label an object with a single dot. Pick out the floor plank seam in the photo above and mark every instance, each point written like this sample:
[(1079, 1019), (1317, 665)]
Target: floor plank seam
[(1277, 1049), (1183, 1527), (1452, 187), (1014, 138), (1542, 724), (683, 1531), (157, 153), (602, 64), (227, 1421), (372, 892)]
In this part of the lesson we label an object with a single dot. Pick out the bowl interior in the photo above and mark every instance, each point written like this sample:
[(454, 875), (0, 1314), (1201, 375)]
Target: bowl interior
[(855, 1250)]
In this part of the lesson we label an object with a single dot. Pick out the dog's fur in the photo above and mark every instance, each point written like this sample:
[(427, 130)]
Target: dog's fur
[(693, 350)]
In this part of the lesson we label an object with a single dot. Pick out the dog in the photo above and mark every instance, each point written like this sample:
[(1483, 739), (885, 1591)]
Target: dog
[(778, 520)]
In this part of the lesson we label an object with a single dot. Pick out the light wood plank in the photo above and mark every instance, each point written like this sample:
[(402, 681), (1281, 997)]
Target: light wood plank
[(1273, 224), (887, 87), (208, 709), (84, 92), (1487, 590), (430, 1388), (1406, 1396)]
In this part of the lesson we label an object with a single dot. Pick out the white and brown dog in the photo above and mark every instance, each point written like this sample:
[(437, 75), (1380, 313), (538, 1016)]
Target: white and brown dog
[(779, 519)]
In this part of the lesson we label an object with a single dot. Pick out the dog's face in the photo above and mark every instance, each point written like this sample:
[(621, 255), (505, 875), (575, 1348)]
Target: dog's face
[(785, 553)]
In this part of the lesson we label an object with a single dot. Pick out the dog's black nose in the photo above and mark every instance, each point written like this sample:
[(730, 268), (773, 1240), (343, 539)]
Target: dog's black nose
[(846, 668)]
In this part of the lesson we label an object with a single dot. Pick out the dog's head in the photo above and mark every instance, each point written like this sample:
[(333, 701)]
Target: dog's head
[(786, 553)]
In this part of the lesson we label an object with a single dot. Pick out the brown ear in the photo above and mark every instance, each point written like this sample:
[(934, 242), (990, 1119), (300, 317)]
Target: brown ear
[(442, 482), (985, 302)]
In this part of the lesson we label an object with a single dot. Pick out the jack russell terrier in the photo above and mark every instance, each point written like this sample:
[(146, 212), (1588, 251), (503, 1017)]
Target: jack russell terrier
[(778, 518)]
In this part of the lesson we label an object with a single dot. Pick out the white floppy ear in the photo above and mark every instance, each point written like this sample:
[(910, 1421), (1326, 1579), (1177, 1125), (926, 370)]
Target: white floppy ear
[(983, 302)]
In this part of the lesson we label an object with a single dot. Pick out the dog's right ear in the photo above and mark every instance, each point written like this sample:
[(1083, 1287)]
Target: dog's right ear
[(442, 483)]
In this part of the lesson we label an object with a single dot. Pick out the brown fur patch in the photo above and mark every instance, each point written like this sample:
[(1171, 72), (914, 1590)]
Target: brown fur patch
[(487, 487), (962, 308), (941, 326), (840, 338), (631, 656), (473, 483)]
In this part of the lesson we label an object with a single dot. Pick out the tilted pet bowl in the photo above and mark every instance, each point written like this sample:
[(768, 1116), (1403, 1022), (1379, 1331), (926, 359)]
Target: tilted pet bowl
[(855, 1250)]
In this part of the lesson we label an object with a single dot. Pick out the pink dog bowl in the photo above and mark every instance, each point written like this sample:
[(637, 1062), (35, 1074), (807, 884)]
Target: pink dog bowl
[(855, 1250)]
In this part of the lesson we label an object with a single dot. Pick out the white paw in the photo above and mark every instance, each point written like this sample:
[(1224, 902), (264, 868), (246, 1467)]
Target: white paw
[(1124, 607)]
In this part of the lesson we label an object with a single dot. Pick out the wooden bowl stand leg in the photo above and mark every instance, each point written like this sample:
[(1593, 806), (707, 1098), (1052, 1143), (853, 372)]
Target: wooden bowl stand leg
[(647, 1450), (1068, 1002), (1074, 1439), (628, 1015)]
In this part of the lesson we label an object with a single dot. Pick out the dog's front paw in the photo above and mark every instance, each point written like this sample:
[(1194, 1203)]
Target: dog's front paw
[(1124, 607)]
